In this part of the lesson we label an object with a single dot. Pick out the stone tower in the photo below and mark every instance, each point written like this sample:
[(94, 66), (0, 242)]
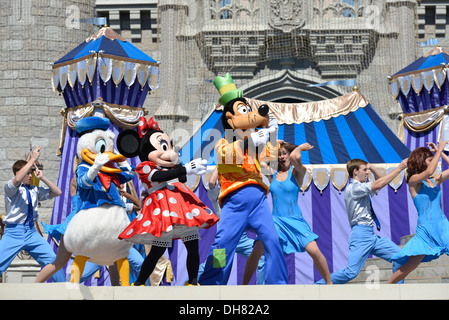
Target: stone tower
[(35, 33)]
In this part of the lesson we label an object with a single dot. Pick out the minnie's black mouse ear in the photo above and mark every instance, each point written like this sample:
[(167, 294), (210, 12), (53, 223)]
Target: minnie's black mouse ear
[(128, 143)]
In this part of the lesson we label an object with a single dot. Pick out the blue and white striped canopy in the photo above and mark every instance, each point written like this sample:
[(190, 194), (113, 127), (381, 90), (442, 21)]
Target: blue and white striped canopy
[(105, 67), (107, 42), (359, 133), (422, 85), (436, 58)]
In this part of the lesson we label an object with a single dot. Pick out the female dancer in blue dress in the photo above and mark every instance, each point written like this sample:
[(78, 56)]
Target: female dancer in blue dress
[(295, 234), (432, 231)]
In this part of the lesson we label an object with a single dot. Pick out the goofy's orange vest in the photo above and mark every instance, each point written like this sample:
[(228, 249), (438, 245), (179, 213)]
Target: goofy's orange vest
[(238, 168)]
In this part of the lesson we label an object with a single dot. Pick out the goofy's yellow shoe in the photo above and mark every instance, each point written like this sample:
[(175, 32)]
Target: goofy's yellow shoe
[(137, 285)]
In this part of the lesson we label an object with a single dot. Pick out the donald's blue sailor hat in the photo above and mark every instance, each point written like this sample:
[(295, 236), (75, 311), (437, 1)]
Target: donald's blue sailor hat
[(90, 124)]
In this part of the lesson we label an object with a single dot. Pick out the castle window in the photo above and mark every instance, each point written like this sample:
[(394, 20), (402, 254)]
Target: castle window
[(225, 14), (145, 20), (125, 23), (429, 16)]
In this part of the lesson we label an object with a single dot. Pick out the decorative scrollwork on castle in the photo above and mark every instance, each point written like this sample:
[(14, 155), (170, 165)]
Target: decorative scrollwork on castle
[(222, 9), (286, 15), (338, 9)]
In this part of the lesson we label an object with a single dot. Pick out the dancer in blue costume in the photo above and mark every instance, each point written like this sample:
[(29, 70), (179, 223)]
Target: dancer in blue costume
[(21, 204), (362, 219), (432, 231), (295, 234)]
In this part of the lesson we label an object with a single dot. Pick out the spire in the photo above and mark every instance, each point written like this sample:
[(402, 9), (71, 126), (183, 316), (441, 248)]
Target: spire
[(108, 33)]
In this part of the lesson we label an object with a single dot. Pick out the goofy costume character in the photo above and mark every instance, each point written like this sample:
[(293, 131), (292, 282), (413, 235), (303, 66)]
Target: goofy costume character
[(243, 194)]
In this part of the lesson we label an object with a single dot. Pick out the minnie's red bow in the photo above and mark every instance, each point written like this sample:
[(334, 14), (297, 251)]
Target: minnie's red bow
[(145, 126)]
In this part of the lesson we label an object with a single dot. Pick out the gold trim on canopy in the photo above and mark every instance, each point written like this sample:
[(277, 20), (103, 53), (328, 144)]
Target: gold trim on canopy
[(81, 72), (394, 88), (72, 74), (429, 79), (118, 71), (124, 117), (424, 120), (339, 177), (322, 174), (417, 79), (289, 113), (405, 84), (91, 64), (433, 52), (417, 83), (109, 67), (307, 180), (440, 76), (397, 181), (321, 177)]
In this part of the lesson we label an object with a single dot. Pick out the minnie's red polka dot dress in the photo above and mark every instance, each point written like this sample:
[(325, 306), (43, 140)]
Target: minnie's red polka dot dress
[(170, 211)]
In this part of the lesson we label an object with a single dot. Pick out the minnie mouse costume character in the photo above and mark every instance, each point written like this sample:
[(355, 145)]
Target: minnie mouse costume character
[(170, 210)]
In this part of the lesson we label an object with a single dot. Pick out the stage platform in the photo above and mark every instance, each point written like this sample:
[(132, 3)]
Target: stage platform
[(68, 291)]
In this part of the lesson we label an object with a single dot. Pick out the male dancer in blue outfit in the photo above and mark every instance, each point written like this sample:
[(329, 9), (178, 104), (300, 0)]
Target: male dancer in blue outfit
[(362, 240), (21, 202)]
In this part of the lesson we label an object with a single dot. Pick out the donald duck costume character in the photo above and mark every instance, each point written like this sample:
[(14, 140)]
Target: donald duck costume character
[(243, 193), (92, 234)]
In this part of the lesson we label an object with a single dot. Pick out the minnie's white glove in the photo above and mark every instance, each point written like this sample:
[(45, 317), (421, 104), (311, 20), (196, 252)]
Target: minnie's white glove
[(197, 166)]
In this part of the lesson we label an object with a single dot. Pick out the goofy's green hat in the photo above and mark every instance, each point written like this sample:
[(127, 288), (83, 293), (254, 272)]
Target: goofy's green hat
[(227, 89)]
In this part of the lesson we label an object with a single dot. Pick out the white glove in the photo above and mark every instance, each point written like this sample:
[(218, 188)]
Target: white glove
[(261, 137), (272, 123), (213, 193), (197, 166), (100, 161), (125, 164)]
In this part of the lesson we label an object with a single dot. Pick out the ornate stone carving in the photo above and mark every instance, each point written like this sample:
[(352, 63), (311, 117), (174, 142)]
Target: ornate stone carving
[(220, 9), (286, 15)]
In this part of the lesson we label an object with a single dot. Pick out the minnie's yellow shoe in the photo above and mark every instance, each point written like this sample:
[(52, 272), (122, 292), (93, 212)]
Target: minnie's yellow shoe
[(186, 284)]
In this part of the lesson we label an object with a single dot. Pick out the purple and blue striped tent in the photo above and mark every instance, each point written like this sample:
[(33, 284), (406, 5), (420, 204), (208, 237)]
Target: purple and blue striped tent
[(340, 129), (105, 76), (105, 66), (421, 89), (421, 85)]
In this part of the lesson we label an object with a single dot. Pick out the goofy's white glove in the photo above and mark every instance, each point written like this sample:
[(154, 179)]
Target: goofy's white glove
[(272, 123), (261, 137), (197, 166)]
